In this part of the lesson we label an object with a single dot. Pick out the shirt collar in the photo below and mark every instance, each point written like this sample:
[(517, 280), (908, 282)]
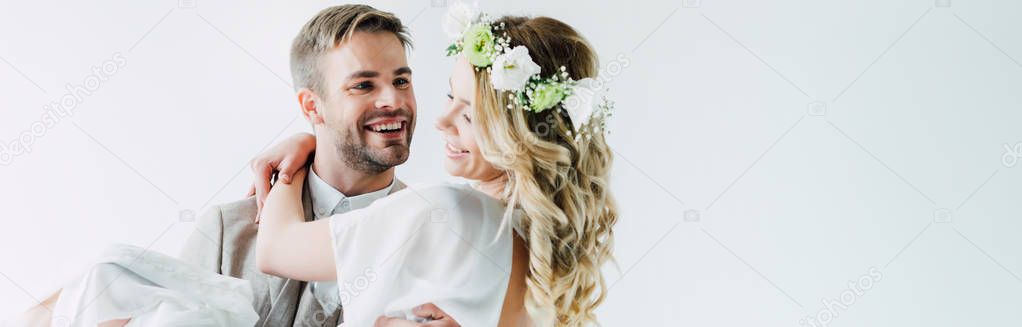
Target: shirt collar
[(327, 201)]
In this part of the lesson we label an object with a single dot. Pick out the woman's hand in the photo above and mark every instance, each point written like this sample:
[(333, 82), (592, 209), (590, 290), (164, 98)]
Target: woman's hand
[(285, 199), (284, 159)]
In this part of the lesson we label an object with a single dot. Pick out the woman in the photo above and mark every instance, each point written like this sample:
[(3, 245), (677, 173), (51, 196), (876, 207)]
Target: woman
[(533, 167)]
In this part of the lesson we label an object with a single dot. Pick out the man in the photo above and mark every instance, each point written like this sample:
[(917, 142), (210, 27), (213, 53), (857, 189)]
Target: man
[(354, 86)]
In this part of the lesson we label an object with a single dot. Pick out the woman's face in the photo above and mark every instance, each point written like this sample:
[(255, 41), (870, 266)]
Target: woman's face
[(455, 124)]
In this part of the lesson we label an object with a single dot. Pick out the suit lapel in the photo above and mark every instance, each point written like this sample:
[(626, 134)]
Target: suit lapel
[(307, 201)]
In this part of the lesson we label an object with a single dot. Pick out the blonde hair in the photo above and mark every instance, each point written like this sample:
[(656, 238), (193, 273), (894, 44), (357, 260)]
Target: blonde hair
[(559, 182)]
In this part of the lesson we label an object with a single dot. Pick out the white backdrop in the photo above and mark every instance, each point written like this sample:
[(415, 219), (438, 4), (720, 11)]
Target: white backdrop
[(853, 161)]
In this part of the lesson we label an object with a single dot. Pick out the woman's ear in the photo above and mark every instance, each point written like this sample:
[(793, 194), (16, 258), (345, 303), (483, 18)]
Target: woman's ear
[(309, 103)]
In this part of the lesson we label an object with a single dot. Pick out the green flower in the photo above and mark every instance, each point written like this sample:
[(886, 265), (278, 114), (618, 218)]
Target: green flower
[(479, 45), (546, 95)]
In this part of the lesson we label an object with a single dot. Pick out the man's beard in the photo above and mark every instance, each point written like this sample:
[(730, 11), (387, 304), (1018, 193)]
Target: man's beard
[(357, 155)]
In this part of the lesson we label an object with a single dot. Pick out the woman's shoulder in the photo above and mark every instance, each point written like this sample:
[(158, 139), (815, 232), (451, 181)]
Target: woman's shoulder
[(442, 195), (459, 204)]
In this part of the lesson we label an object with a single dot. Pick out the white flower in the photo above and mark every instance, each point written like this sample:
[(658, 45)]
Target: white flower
[(512, 69), (583, 101), (459, 17)]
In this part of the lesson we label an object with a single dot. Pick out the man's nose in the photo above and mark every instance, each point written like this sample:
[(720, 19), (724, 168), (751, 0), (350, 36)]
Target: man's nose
[(389, 99)]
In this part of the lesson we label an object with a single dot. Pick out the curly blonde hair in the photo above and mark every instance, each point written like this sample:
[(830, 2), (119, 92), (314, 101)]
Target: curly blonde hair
[(560, 182)]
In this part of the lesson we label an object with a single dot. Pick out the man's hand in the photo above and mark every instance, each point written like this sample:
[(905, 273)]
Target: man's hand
[(427, 311), (284, 159)]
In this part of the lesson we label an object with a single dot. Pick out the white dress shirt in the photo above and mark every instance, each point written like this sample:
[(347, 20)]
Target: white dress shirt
[(328, 201)]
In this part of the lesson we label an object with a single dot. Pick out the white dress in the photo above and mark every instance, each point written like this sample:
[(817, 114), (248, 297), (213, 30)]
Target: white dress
[(440, 244), (153, 289)]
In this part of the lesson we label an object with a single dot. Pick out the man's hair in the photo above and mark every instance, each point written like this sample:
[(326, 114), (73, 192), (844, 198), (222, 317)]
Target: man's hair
[(330, 27)]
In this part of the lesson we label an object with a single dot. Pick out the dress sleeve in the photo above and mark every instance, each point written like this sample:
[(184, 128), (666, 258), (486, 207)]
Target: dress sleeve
[(440, 245)]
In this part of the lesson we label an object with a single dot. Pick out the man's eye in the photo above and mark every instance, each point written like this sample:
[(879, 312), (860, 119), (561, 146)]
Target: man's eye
[(402, 82), (363, 86)]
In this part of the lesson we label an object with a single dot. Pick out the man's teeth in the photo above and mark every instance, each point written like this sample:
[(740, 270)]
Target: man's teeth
[(386, 127)]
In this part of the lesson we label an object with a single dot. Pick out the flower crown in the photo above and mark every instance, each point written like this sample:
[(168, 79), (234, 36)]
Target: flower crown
[(487, 46)]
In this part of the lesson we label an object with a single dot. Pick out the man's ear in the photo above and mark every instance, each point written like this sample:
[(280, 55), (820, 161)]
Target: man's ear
[(310, 106)]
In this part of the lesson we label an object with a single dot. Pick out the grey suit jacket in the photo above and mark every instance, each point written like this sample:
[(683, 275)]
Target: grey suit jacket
[(224, 242)]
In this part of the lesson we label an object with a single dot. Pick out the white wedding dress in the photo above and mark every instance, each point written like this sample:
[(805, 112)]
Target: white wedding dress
[(441, 244), (153, 289)]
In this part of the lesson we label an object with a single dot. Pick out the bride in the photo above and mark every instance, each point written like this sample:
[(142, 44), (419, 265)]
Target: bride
[(522, 244)]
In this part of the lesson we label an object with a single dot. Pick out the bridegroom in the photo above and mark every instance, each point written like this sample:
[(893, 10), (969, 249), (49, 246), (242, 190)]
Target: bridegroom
[(354, 86)]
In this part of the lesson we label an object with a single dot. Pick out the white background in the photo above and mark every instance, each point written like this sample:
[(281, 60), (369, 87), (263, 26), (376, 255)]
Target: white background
[(916, 102)]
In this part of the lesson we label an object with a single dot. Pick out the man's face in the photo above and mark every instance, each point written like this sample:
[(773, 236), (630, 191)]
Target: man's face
[(367, 106)]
